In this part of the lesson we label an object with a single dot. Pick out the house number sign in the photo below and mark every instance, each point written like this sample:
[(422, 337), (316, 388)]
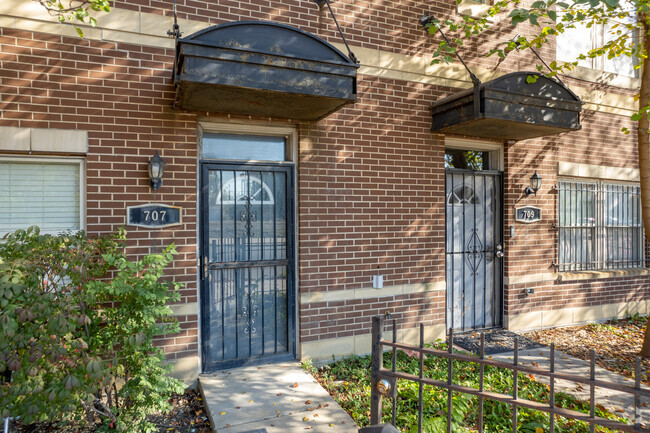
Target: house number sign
[(153, 216), (528, 214)]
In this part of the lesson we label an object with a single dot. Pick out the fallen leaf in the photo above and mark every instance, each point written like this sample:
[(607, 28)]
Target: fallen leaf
[(308, 402), (279, 394), (305, 418), (222, 413), (295, 385)]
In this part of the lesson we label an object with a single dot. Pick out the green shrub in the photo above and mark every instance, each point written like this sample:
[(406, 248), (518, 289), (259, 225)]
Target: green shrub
[(77, 322)]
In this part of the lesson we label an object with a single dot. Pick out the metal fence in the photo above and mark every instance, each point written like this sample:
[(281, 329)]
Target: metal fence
[(384, 383)]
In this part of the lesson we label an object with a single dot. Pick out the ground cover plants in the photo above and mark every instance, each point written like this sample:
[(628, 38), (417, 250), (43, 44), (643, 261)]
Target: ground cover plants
[(348, 381), (77, 324)]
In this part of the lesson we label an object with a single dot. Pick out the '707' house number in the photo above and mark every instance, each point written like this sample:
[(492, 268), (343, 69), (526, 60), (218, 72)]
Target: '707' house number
[(153, 215)]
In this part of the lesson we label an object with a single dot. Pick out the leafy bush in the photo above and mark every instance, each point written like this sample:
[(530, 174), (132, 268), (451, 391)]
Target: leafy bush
[(77, 322)]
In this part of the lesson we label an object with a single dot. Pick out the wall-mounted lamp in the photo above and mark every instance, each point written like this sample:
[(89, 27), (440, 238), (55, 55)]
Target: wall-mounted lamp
[(156, 170), (535, 184)]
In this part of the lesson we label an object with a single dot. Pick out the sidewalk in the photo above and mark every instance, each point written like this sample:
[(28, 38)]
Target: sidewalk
[(616, 402), (271, 398)]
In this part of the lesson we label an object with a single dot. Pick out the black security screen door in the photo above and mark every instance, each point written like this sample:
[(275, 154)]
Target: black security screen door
[(247, 272), (474, 249)]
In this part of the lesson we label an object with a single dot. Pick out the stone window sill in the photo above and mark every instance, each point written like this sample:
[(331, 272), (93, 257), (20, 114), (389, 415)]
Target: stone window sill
[(597, 275)]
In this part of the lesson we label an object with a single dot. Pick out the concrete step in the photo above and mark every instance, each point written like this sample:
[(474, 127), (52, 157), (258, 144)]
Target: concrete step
[(271, 398)]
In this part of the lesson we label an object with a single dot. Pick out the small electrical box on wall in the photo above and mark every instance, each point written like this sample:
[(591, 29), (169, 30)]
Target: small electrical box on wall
[(377, 281)]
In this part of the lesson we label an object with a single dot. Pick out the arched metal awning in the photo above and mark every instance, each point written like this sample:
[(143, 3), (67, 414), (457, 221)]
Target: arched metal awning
[(511, 107), (262, 69)]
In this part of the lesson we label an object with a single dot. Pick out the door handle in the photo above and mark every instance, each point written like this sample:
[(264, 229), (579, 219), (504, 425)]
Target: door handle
[(499, 251), (204, 268)]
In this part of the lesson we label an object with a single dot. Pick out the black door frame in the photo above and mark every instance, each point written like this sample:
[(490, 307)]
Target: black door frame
[(501, 233), (204, 266)]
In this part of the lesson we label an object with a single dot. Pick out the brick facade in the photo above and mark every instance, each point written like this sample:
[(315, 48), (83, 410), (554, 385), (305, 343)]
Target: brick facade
[(370, 178)]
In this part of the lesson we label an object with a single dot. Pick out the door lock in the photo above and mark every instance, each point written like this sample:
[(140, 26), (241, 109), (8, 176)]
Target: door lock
[(499, 251)]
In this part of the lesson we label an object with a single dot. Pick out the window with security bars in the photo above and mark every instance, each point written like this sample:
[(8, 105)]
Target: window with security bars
[(600, 226)]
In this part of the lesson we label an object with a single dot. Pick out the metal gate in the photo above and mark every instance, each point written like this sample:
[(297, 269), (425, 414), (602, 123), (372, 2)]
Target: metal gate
[(474, 248), (247, 273)]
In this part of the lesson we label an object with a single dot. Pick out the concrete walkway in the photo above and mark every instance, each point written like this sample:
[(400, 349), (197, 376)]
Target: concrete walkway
[(271, 398), (616, 402)]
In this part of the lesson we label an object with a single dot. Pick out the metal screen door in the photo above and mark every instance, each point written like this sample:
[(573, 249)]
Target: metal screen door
[(474, 249), (247, 272)]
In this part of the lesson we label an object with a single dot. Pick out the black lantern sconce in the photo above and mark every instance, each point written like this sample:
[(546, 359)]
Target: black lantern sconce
[(535, 184), (156, 170)]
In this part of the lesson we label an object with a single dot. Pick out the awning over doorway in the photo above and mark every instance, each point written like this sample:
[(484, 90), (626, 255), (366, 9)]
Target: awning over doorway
[(509, 108), (262, 69)]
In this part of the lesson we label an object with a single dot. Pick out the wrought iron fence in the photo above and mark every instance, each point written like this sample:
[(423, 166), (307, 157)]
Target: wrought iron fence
[(384, 383)]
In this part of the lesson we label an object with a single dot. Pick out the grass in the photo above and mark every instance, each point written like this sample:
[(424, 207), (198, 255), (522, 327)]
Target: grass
[(348, 381)]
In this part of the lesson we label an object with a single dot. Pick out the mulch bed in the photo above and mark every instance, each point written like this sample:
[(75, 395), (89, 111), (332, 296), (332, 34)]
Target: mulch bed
[(187, 416), (496, 341), (617, 343)]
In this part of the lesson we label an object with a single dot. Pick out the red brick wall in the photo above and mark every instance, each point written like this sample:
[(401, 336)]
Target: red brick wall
[(371, 199), (122, 95), (391, 26), (534, 249), (552, 295), (370, 183)]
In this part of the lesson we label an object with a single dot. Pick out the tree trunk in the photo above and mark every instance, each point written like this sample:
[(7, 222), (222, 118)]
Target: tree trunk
[(643, 142)]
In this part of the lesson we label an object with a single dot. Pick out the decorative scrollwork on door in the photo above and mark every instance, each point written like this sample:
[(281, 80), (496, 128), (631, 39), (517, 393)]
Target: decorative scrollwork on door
[(248, 215), (474, 251)]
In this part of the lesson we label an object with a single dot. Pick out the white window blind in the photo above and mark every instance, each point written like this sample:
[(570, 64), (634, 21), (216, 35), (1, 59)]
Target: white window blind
[(39, 193)]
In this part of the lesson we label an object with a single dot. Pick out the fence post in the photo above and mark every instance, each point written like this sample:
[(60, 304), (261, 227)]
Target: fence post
[(377, 365)]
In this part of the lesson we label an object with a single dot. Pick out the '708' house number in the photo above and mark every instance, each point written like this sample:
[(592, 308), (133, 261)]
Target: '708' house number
[(153, 215)]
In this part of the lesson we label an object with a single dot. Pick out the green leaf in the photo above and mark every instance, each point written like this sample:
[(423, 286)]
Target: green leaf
[(79, 32), (552, 15), (636, 117), (530, 79)]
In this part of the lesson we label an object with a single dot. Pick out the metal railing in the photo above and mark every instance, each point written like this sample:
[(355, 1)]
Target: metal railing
[(384, 383)]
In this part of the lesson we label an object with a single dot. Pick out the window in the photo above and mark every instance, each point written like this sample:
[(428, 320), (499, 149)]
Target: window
[(467, 159), (42, 192), (600, 226), (473, 8), (244, 147), (581, 39)]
